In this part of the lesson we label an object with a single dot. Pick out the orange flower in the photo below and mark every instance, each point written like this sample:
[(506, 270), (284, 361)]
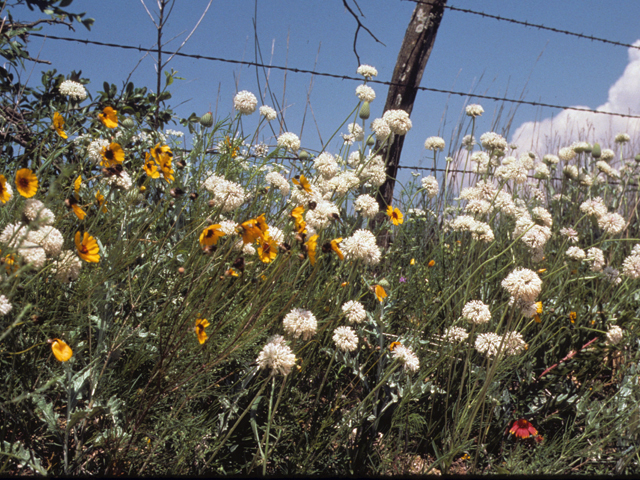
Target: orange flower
[(523, 429), (312, 245), (395, 215), (302, 183), (88, 248), (210, 235), (112, 155), (5, 193), (267, 249), (10, 264), (573, 316), (26, 182), (431, 263), (394, 345), (61, 350), (78, 211), (335, 248), (109, 117), (101, 201), (58, 124), (380, 293), (201, 324), (232, 149)]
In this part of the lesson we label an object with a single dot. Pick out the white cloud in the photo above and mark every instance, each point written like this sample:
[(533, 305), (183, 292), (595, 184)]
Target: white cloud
[(568, 126)]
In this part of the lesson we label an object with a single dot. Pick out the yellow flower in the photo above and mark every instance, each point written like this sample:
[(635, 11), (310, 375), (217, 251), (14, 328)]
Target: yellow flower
[(412, 262), (573, 316), (88, 248), (312, 245), (250, 230), (109, 117), (10, 264), (395, 215), (233, 150), (112, 154), (431, 263), (76, 186), (101, 201), (302, 183), (5, 194), (78, 211), (538, 307), (380, 293), (150, 167), (58, 123), (165, 167), (160, 151), (210, 235), (61, 350), (26, 182), (201, 324), (335, 248), (267, 249), (393, 345)]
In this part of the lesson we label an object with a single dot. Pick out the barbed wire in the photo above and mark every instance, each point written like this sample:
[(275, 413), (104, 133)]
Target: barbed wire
[(534, 25), (332, 75)]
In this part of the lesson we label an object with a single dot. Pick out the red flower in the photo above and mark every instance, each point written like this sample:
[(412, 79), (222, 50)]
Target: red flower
[(523, 429)]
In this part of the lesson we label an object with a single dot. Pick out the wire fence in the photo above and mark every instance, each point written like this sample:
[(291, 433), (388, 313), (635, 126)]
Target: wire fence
[(332, 75)]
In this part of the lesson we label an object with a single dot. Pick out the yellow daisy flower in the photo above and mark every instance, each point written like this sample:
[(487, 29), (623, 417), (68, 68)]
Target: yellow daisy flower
[(267, 249), (210, 235), (335, 248), (61, 350), (101, 201), (58, 124), (201, 324), (395, 215), (5, 193), (380, 293), (88, 248), (150, 167), (112, 155), (26, 182), (109, 117), (312, 245)]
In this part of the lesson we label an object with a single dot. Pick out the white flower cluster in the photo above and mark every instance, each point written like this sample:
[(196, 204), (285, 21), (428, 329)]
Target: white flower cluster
[(596, 258), (372, 171), (406, 357), (245, 102), (434, 143), (73, 90), (356, 134), (571, 234), (488, 343), (622, 138), (612, 223), (94, 150), (277, 356), (398, 121), (367, 71), (474, 110), (326, 165), (278, 181), (380, 128), (289, 141), (268, 113), (512, 168), (354, 311), (631, 264), (35, 211), (5, 305), (594, 207), (321, 216), (226, 194), (67, 267), (365, 93), (345, 339), (523, 284), (300, 323), (566, 154), (366, 205), (614, 335), (479, 230), (575, 253), (361, 246), (456, 334), (430, 184), (122, 181), (493, 141), (476, 312)]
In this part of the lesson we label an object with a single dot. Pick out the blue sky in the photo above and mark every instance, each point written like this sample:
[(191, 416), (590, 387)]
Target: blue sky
[(471, 54)]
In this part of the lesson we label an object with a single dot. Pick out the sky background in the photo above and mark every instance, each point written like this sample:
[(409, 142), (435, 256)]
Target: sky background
[(471, 54)]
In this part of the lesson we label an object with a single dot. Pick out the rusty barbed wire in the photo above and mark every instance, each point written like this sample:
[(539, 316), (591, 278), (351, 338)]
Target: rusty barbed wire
[(332, 75), (533, 25)]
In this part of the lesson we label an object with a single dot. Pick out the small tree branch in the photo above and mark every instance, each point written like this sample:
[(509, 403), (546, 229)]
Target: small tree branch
[(360, 25)]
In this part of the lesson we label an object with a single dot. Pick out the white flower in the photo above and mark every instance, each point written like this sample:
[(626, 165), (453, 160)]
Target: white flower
[(228, 227), (300, 322), (476, 312), (13, 235), (367, 71), (571, 234), (523, 284), (622, 138), (344, 182), (276, 234), (468, 141), (631, 267), (321, 216), (612, 223), (326, 165), (596, 258), (278, 181), (381, 128), (434, 143), (49, 238), (406, 357), (5, 305), (174, 133), (514, 344), (245, 102), (455, 334), (356, 134), (488, 343), (361, 246), (481, 231), (34, 210), (94, 150), (398, 121), (73, 90), (366, 205), (594, 207), (614, 335), (365, 93), (268, 113), (541, 171), (607, 154), (493, 141), (33, 254), (430, 184), (345, 339), (474, 110), (122, 181), (226, 194), (566, 154), (354, 311), (290, 141), (575, 253), (277, 356), (67, 267), (550, 159)]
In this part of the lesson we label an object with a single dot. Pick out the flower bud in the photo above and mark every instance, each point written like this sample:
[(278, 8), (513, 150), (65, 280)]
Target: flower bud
[(637, 158), (304, 155), (365, 111), (371, 141), (206, 120), (128, 123), (596, 151)]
